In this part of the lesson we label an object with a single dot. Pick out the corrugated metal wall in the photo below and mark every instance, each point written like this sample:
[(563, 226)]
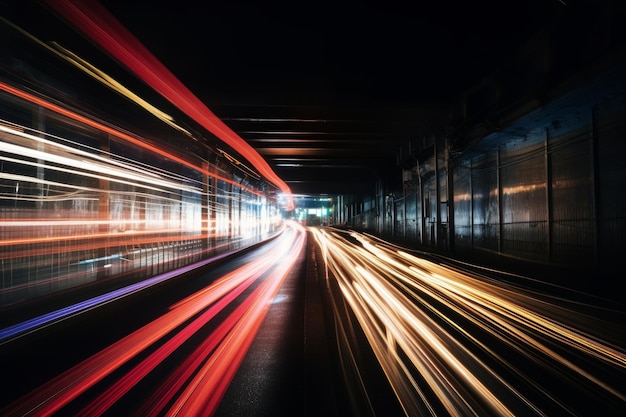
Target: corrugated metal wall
[(555, 194), (485, 212), (525, 219), (570, 154), (610, 177)]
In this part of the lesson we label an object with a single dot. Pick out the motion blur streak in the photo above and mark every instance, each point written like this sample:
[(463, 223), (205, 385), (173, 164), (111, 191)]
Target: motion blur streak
[(75, 210), (100, 76), (104, 128), (100, 26), (417, 316), (27, 326), (202, 395), (214, 363)]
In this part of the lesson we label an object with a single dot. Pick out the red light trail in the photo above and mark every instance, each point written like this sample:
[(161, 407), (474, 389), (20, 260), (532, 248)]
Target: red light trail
[(100, 26), (206, 373)]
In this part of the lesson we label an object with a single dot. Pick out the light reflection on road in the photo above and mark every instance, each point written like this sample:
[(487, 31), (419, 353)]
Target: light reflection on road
[(433, 330), (198, 384)]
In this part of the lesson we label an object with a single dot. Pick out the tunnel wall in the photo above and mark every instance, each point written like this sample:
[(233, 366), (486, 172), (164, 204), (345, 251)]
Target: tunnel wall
[(548, 188), (83, 202)]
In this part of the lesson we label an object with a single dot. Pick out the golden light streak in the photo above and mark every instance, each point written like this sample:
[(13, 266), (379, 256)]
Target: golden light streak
[(409, 309), (114, 85), (100, 76)]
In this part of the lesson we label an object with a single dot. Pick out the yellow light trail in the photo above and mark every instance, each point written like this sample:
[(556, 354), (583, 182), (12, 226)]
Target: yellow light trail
[(429, 326)]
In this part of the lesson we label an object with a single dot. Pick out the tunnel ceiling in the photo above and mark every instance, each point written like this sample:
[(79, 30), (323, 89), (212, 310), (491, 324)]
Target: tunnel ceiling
[(334, 94)]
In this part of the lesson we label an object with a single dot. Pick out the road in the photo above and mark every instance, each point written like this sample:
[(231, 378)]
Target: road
[(325, 322)]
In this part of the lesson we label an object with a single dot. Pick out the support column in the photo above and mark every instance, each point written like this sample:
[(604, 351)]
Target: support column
[(595, 190), (500, 214), (403, 209), (471, 193), (205, 223), (103, 207), (450, 198), (212, 212), (437, 200), (549, 219), (40, 124), (240, 209), (231, 227)]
